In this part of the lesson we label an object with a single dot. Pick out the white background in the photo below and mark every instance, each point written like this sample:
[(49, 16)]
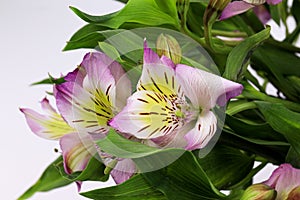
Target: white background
[(32, 35)]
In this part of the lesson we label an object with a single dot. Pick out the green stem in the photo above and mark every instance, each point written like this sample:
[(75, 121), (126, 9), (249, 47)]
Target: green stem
[(231, 43), (228, 33)]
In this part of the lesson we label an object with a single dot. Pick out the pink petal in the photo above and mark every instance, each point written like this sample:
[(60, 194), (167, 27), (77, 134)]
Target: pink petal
[(284, 179), (235, 8), (49, 125), (262, 13), (76, 151), (123, 170), (82, 110), (205, 89), (203, 131)]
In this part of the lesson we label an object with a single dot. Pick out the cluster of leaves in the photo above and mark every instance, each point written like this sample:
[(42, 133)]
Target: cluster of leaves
[(258, 126)]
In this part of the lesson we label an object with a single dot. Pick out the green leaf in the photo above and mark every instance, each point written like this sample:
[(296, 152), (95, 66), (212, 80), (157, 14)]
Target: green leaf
[(146, 157), (226, 166), (184, 179), (87, 30), (93, 19), (275, 13), (238, 58), (293, 158), (168, 6), (295, 10), (136, 188), (89, 40), (276, 64), (50, 179), (50, 80), (264, 134), (123, 1), (54, 176), (94, 171), (284, 121), (146, 12), (110, 51), (121, 147)]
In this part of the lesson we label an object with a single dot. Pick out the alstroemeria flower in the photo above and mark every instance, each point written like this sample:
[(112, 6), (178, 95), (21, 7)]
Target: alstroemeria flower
[(90, 97), (159, 111), (52, 126), (238, 7), (286, 181)]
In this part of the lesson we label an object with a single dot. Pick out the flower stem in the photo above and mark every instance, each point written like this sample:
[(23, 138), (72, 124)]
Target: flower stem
[(228, 33)]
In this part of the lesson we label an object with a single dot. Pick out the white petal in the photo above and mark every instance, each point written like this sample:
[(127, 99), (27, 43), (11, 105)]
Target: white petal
[(203, 131)]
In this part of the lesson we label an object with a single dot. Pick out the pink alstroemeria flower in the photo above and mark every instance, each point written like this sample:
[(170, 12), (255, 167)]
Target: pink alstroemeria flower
[(286, 181), (92, 94), (52, 126), (238, 7), (159, 110)]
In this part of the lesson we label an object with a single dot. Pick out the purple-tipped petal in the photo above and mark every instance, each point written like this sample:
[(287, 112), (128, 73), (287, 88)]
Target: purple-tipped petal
[(235, 8), (232, 89), (284, 179), (45, 104), (203, 131), (123, 170), (76, 151), (205, 89), (262, 13), (49, 125), (76, 76)]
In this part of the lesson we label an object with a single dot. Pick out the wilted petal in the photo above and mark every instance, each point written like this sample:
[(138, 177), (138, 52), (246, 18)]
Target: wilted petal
[(76, 151), (235, 8), (147, 115), (123, 170), (205, 89), (203, 131), (284, 179), (50, 125), (262, 13)]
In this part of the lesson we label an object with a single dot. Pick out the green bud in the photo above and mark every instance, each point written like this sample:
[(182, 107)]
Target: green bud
[(259, 192), (294, 194), (168, 46)]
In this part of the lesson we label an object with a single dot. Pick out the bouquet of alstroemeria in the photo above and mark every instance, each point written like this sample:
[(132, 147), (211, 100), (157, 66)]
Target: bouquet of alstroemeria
[(171, 102)]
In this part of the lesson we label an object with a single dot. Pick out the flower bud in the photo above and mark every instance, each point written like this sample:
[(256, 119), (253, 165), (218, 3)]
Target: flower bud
[(214, 10), (294, 194), (259, 192), (168, 46)]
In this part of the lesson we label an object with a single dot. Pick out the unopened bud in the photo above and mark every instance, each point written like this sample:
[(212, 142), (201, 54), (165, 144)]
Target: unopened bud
[(214, 10), (168, 46), (294, 194), (259, 192)]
